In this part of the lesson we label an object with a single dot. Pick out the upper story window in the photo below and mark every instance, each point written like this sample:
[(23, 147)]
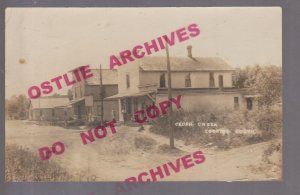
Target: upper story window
[(221, 84), (127, 81), (162, 81), (188, 82), (211, 79), (75, 94), (80, 92)]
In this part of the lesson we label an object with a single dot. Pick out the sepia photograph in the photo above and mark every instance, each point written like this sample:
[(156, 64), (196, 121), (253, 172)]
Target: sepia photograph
[(143, 94)]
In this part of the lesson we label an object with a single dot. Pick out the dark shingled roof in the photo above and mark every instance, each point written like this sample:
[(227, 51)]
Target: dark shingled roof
[(158, 63), (110, 77)]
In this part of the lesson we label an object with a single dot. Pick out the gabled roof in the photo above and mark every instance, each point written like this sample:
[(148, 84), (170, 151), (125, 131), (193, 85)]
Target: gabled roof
[(109, 77), (49, 102), (158, 63)]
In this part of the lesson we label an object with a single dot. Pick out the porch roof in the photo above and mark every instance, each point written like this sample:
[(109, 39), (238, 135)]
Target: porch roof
[(124, 95), (76, 101), (252, 96)]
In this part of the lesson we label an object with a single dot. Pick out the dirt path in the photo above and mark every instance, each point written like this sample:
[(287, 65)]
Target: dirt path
[(130, 152)]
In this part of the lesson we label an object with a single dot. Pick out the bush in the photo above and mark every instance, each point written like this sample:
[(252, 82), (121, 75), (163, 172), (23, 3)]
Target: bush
[(270, 122), (272, 148), (267, 122), (23, 165)]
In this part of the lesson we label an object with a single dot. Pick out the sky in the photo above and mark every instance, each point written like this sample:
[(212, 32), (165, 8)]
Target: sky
[(42, 43)]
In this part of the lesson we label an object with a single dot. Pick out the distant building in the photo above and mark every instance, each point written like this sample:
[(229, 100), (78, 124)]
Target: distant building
[(86, 101), (50, 109), (204, 83)]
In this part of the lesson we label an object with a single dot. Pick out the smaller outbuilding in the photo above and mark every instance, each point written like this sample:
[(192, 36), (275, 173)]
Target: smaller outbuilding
[(51, 109)]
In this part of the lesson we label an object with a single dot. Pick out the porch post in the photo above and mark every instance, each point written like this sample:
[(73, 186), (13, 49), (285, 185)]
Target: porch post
[(120, 111)]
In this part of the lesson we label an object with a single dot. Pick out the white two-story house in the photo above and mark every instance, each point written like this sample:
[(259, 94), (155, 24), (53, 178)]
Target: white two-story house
[(204, 84)]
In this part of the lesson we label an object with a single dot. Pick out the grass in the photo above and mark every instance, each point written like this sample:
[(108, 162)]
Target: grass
[(23, 165), (145, 143)]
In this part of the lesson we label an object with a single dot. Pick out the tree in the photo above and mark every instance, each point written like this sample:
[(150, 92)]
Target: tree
[(12, 106), (17, 106), (268, 83), (264, 80), (240, 78)]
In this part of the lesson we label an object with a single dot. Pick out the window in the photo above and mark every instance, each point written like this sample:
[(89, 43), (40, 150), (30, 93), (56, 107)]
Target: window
[(127, 81), (135, 104), (162, 81), (53, 114), (99, 110), (75, 93), (249, 103), (236, 103), (188, 80), (103, 91), (79, 111), (211, 79), (129, 105), (220, 81)]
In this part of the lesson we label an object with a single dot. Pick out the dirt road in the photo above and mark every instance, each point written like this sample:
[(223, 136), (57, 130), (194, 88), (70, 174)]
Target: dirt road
[(129, 152)]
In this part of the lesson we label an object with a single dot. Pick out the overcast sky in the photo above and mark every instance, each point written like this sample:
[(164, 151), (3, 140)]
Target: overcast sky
[(42, 43)]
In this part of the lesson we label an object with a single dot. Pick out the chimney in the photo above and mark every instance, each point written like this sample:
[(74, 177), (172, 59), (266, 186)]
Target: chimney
[(189, 49)]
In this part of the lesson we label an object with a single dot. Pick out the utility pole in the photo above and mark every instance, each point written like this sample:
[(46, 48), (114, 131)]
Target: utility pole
[(170, 111), (101, 94), (40, 111)]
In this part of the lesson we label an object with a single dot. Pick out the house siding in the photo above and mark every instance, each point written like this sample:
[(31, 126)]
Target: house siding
[(109, 107), (94, 90), (206, 101), (78, 90), (50, 114), (91, 92), (132, 70), (198, 79)]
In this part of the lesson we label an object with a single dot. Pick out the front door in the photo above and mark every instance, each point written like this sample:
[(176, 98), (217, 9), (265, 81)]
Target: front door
[(79, 111), (249, 103)]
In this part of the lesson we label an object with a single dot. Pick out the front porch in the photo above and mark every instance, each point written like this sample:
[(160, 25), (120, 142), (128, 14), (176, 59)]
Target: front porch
[(78, 106), (131, 102)]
